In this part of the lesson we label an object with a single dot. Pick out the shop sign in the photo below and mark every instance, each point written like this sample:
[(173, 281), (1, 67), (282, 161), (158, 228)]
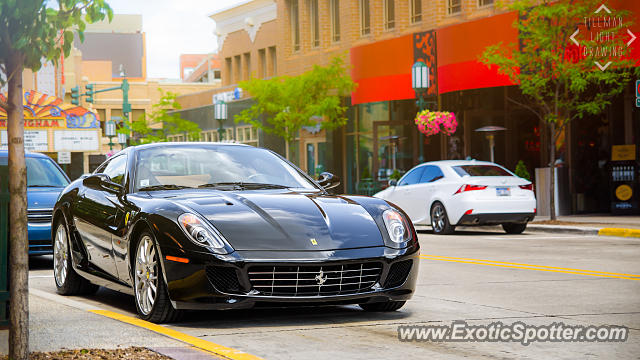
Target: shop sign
[(623, 152), (64, 157), (75, 140), (34, 140)]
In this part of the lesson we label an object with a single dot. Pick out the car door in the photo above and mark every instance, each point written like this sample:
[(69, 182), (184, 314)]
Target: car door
[(97, 216), (426, 189), (403, 193)]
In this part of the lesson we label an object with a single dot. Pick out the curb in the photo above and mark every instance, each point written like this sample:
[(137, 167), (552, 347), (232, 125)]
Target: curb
[(619, 232), (563, 229)]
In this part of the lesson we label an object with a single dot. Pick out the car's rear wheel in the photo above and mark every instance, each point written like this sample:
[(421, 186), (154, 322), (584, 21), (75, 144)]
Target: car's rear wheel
[(382, 306), (68, 282), (439, 220), (514, 228), (152, 299)]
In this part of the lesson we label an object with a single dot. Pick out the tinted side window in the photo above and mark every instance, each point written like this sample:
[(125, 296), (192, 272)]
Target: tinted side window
[(412, 177), (431, 173), (116, 169)]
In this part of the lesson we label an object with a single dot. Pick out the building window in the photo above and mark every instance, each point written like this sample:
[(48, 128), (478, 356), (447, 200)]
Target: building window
[(216, 74), (209, 136), (389, 14), (246, 66), (454, 6), (247, 135), (416, 10), (274, 63), (314, 20), (262, 63), (229, 71), (237, 69), (228, 134), (334, 6), (482, 3), (295, 25), (365, 26)]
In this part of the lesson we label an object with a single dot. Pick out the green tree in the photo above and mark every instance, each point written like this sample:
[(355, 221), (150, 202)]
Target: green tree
[(558, 82), (521, 170), (30, 31), (172, 123), (291, 102)]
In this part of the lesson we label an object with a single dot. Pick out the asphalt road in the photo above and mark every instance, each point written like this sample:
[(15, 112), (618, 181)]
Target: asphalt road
[(479, 277)]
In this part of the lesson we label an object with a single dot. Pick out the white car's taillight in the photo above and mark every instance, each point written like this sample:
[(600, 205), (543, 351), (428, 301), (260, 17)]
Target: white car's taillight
[(468, 187), (527, 187)]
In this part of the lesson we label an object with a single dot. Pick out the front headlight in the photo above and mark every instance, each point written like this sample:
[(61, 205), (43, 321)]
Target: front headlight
[(203, 234), (398, 229)]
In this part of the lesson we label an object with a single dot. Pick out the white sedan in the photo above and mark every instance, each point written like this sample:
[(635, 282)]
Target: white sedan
[(463, 192)]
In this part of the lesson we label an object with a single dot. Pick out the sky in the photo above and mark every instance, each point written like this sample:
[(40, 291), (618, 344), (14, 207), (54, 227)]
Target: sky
[(173, 27)]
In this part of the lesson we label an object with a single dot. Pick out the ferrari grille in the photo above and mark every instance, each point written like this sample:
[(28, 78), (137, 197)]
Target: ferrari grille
[(224, 279), (39, 216), (314, 280), (398, 273)]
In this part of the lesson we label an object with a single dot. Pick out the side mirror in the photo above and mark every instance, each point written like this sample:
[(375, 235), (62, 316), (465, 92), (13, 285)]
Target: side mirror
[(102, 182), (393, 182), (328, 181)]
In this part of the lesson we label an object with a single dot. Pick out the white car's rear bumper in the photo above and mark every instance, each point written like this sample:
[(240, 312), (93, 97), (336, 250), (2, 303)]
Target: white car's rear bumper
[(470, 211)]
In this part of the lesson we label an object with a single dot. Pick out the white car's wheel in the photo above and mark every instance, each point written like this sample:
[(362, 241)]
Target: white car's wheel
[(439, 220)]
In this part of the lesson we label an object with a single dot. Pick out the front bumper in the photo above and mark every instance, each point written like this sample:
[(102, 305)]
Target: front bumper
[(496, 219), (40, 238), (194, 286)]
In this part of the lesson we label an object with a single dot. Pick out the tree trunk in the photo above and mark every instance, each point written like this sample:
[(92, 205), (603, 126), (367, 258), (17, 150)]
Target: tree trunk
[(552, 170), (18, 242)]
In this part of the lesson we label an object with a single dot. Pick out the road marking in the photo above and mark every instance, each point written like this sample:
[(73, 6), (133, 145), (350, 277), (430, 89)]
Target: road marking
[(201, 344), (513, 265), (191, 340)]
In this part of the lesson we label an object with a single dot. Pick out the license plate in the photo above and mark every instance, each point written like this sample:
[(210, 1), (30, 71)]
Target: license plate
[(503, 191)]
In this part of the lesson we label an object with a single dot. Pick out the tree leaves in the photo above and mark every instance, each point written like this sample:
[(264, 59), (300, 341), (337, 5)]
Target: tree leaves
[(33, 27), (290, 102)]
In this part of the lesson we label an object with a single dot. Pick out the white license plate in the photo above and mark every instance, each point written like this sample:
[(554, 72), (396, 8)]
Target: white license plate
[(503, 191)]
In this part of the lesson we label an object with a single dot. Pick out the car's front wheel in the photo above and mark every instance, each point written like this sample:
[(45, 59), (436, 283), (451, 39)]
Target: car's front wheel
[(68, 282), (152, 299), (514, 228), (382, 306), (440, 221)]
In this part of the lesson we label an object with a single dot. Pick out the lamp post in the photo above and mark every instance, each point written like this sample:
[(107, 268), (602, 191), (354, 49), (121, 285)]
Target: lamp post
[(110, 131), (220, 114), (420, 84), (122, 140)]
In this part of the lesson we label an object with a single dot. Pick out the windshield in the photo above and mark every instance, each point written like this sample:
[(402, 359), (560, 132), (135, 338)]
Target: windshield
[(191, 166), (42, 172), (481, 170)]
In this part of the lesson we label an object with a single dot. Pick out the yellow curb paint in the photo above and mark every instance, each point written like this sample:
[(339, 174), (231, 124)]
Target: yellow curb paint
[(205, 345), (619, 232), (532, 267)]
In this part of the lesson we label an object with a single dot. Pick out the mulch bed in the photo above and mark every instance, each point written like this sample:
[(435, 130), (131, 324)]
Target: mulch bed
[(138, 353)]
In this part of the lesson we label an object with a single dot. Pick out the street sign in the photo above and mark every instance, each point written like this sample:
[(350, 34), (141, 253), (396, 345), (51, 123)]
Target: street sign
[(64, 157), (638, 88)]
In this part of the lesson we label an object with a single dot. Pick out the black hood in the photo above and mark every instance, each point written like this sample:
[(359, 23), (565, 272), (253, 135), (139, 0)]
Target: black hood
[(277, 220)]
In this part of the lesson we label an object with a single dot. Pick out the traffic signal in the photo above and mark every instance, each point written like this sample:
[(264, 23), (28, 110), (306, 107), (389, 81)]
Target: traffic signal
[(89, 93), (75, 95)]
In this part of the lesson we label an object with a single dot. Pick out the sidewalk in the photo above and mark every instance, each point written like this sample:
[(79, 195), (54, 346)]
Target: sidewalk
[(593, 224)]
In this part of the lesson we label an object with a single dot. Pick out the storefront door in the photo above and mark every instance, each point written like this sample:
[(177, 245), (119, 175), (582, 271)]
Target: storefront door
[(315, 150), (392, 149)]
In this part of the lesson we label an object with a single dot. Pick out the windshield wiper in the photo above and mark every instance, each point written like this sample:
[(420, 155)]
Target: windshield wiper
[(243, 185), (43, 186), (164, 187)]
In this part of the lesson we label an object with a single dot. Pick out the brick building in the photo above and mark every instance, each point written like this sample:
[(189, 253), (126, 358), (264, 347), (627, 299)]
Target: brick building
[(381, 40)]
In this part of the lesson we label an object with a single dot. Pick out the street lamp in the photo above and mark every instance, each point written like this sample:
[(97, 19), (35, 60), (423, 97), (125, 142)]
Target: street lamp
[(420, 84), (220, 114), (110, 131), (122, 140)]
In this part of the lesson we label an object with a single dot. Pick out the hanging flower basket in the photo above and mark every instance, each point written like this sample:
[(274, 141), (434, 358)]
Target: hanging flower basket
[(433, 122)]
